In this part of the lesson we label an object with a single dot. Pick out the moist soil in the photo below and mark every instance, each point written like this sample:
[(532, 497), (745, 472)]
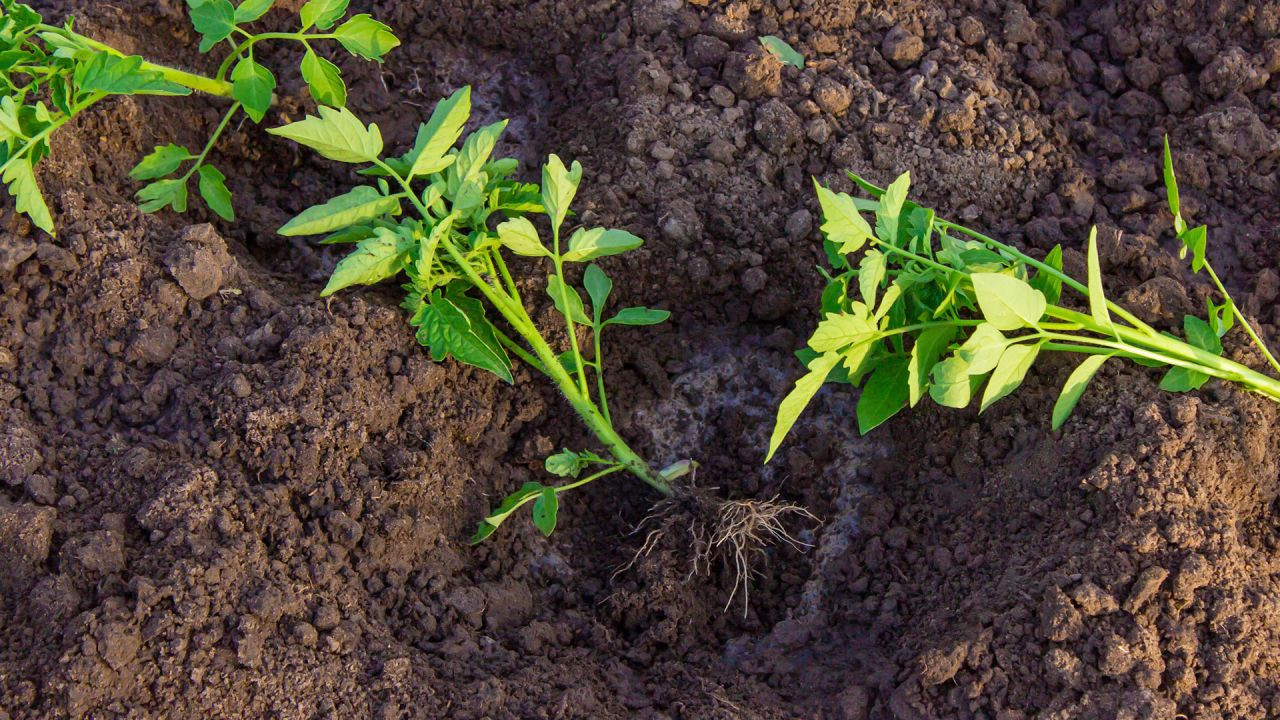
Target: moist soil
[(221, 496)]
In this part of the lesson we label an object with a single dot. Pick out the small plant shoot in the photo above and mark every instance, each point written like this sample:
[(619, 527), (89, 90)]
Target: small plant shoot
[(466, 216), (50, 74), (917, 306)]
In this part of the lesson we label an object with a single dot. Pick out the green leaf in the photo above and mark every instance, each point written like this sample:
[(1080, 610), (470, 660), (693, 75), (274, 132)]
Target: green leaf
[(455, 326), (1180, 379), (1201, 334), (890, 211), (950, 384), (598, 287), (884, 395), (1171, 188), (374, 259), (520, 237), (596, 243), (569, 361), (251, 10), (439, 133), (871, 272), (213, 188), (982, 350), (117, 75), (20, 177), (1048, 284), (1221, 317), (799, 397), (336, 134), (637, 316), (1195, 240), (1009, 373), (215, 20), (781, 50), (324, 80), (566, 463), (366, 37), (474, 153), (163, 193), (162, 161), (322, 13), (576, 311), (1076, 383), (253, 85), (559, 185), (545, 509), (360, 205), (1007, 302), (838, 330), (509, 505), (1097, 300), (928, 348), (843, 225)]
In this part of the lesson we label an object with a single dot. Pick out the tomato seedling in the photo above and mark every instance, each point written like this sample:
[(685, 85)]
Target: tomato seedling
[(467, 212), (934, 309), (50, 74)]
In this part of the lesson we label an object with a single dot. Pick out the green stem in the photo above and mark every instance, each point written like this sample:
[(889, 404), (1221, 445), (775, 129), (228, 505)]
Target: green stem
[(45, 133), (199, 83), (519, 352), (222, 126), (254, 39), (596, 332), (568, 314), (1253, 335)]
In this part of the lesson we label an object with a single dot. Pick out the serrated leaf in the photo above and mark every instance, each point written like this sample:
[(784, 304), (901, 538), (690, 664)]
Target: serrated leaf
[(783, 51), (455, 326), (336, 134), (1010, 372), (798, 399), (1007, 302), (474, 153), (215, 20), (20, 178), (637, 316), (587, 245), (162, 161), (598, 287), (1097, 299), (163, 193), (885, 393), (322, 13), (842, 225), (324, 80), (929, 346), (559, 185), (251, 10), (439, 133), (213, 188), (576, 312), (1048, 284), (253, 85), (520, 237), (1074, 387), (1195, 240), (545, 509), (871, 272), (374, 259), (117, 75), (890, 211), (359, 205), (1202, 335), (366, 37), (1180, 379), (838, 330)]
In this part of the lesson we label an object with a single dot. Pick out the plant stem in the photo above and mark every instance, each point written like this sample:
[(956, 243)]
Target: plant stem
[(222, 126), (1253, 335), (45, 133), (568, 314), (199, 83), (596, 331)]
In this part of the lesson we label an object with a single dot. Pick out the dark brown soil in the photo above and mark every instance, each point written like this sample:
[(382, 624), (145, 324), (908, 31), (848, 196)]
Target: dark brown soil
[(223, 497)]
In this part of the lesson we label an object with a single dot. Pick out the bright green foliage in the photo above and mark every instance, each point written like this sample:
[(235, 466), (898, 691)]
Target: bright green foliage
[(933, 308), (468, 211), (782, 51), (49, 74)]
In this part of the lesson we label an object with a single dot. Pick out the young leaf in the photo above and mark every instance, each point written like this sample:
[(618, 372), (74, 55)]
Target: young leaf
[(890, 211), (520, 237), (253, 85), (117, 75), (950, 384), (591, 244), (982, 350), (1221, 317), (336, 134), (1009, 373), (215, 20), (324, 80), (781, 50), (1075, 386), (213, 188), (366, 37), (162, 161), (21, 179), (1007, 302), (871, 273), (928, 348), (559, 185), (884, 395), (475, 152), (576, 311), (843, 225), (566, 463), (799, 397), (439, 134), (1048, 284), (598, 287), (373, 260), (163, 193), (1097, 300), (1195, 240), (837, 331), (251, 10), (639, 316), (1171, 189), (1201, 334), (1180, 379), (509, 505), (545, 509), (460, 330), (322, 13), (360, 205)]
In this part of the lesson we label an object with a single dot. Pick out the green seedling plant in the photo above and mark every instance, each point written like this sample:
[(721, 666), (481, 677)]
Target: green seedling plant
[(923, 307), (50, 74), (466, 213)]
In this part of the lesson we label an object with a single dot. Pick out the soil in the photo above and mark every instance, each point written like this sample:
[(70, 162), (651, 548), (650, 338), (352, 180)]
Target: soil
[(223, 497)]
